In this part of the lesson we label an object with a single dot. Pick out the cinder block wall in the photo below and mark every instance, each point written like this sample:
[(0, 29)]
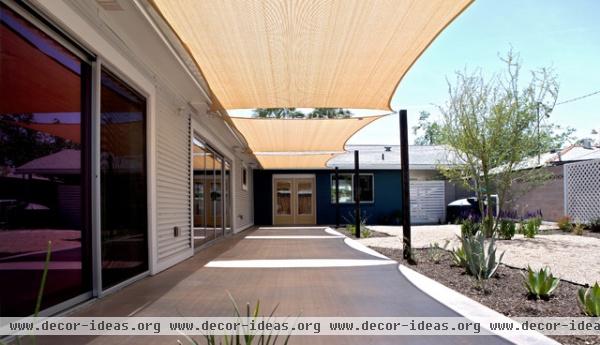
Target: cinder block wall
[(548, 197)]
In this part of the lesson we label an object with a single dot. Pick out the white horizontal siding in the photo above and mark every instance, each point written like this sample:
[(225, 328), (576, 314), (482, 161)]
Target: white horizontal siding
[(172, 180)]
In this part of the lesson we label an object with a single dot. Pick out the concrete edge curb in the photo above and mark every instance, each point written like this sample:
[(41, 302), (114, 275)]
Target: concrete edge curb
[(469, 308), (354, 244)]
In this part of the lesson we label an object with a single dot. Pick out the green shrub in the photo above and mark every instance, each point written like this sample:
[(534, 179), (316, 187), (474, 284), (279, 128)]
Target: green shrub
[(540, 284), (365, 232), (506, 229), (530, 227), (435, 252), (589, 300), (565, 224), (469, 227), (595, 225), (578, 229), (480, 259), (459, 257)]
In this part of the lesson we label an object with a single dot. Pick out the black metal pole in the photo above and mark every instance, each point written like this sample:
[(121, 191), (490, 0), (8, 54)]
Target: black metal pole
[(405, 185), (356, 196), (337, 197)]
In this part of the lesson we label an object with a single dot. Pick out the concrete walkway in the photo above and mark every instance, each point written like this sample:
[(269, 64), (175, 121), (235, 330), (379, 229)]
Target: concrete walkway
[(307, 271)]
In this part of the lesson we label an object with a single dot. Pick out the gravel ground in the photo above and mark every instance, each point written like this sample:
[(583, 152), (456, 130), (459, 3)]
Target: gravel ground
[(572, 258), (504, 292)]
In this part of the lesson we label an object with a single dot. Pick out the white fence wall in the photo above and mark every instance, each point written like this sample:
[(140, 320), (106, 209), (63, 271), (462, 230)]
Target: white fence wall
[(582, 190), (427, 202)]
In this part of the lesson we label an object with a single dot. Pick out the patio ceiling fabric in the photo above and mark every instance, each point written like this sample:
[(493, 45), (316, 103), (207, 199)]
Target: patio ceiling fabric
[(307, 53), (298, 143)]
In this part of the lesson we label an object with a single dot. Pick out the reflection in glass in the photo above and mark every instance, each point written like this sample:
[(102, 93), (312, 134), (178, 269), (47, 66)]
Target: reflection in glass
[(124, 243), (284, 198), (345, 188), (42, 168), (304, 198)]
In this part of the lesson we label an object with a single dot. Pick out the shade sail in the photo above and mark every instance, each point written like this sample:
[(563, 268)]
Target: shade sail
[(308, 53), (298, 143), (305, 161)]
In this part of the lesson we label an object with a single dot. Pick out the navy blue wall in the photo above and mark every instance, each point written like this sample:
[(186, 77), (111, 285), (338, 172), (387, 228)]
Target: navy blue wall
[(384, 210)]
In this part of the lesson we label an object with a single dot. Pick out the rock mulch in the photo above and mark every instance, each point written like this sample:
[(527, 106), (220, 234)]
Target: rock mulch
[(504, 292), (570, 257)]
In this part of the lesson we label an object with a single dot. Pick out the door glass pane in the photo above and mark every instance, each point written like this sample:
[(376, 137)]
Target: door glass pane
[(42, 168), (227, 190), (217, 196), (200, 187), (284, 198), (123, 181), (305, 195), (209, 204)]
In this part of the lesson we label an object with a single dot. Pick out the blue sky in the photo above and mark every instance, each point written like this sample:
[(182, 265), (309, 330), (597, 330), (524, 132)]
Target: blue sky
[(563, 34)]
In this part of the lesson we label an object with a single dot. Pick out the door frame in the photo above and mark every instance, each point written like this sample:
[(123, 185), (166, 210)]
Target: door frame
[(292, 178)]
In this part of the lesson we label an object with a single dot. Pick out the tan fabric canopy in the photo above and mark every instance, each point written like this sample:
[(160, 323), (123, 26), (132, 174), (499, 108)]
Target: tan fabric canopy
[(308, 53), (298, 143)]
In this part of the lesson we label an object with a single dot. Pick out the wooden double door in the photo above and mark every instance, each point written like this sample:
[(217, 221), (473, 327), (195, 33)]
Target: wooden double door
[(294, 200)]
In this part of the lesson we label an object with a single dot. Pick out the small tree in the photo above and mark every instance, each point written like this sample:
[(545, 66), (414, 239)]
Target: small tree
[(431, 133), (278, 113), (329, 113), (492, 125)]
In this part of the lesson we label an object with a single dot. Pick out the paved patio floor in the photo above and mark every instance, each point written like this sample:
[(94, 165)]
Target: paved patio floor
[(193, 289)]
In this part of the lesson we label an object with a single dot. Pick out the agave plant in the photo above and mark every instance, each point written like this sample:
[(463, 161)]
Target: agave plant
[(589, 300), (540, 284), (458, 257), (246, 339), (480, 258), (435, 252)]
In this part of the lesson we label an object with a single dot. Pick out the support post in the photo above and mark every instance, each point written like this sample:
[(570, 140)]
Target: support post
[(356, 196), (337, 197), (405, 186)]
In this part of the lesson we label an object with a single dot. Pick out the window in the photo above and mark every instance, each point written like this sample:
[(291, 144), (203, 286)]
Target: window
[(346, 188)]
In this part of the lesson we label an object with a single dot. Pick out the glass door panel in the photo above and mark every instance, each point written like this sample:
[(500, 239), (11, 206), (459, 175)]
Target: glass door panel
[(217, 197), (305, 204), (209, 230), (44, 162), (124, 233), (199, 216), (227, 191), (283, 202)]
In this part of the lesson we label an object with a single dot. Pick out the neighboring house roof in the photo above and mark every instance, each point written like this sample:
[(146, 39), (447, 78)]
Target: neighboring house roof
[(420, 157), (572, 153), (63, 162), (68, 162)]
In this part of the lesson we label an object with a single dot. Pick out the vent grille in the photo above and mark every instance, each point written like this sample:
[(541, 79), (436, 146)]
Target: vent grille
[(109, 5)]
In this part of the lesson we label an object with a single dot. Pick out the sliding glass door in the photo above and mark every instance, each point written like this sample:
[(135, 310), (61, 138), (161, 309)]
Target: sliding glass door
[(44, 168), (211, 181), (124, 234)]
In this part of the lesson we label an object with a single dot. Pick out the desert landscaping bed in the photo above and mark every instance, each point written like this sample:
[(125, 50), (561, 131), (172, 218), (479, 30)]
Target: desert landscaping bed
[(505, 292), (570, 257)]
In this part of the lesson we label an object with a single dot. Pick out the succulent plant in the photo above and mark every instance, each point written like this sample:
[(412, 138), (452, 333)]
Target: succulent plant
[(480, 258), (589, 300), (540, 284)]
